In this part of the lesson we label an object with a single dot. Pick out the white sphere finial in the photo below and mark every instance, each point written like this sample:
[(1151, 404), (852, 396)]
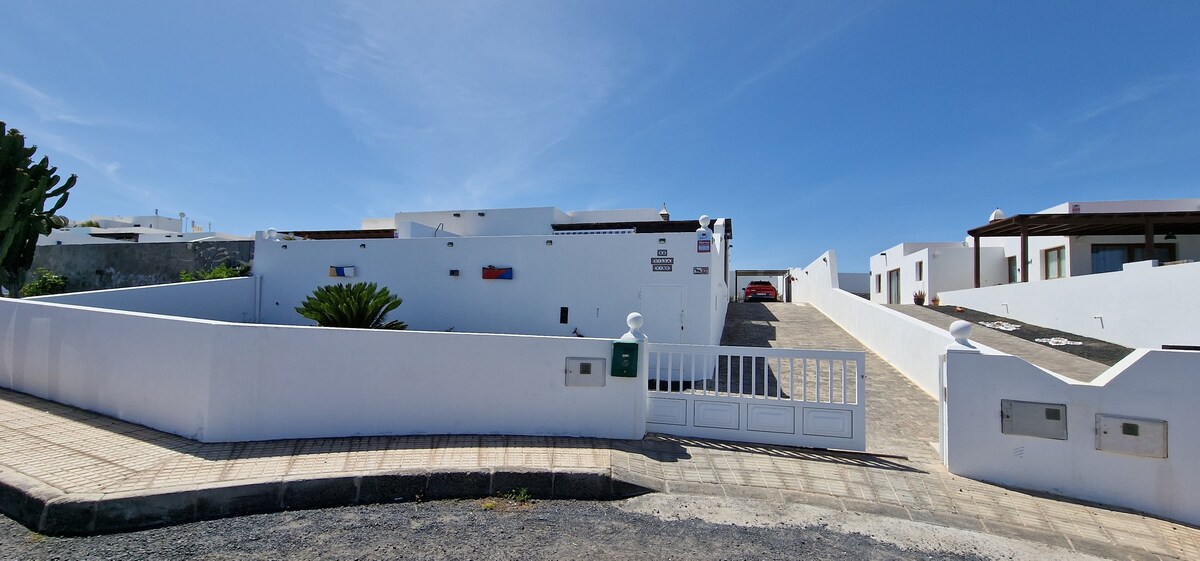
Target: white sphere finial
[(271, 232), (703, 220), (634, 320), (961, 331), (996, 215)]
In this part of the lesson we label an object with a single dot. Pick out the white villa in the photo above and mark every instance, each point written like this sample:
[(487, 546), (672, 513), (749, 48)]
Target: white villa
[(532, 271), (1067, 240), (131, 229)]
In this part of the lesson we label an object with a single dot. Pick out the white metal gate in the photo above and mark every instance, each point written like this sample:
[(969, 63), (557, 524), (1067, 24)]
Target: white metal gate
[(793, 397)]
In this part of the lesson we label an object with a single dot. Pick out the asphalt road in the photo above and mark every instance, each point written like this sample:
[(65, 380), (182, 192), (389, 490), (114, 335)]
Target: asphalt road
[(652, 527)]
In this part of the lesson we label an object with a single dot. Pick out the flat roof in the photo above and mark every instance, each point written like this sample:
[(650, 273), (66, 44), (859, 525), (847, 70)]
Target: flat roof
[(648, 227), (342, 234)]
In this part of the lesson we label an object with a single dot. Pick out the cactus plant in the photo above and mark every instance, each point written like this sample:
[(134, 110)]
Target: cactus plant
[(25, 187)]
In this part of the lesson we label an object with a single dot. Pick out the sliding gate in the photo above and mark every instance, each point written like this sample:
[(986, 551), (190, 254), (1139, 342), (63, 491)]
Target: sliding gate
[(793, 397)]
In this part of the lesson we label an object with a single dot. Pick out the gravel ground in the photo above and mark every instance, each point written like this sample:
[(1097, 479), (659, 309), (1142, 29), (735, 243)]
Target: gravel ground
[(1091, 349), (652, 526)]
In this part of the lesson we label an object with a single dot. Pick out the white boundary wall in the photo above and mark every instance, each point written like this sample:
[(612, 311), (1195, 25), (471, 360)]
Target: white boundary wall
[(221, 300), (1143, 307), (1159, 385), (912, 346), (214, 381)]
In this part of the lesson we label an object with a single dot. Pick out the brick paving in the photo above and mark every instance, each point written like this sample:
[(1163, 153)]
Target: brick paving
[(902, 476), (77, 454), (74, 451)]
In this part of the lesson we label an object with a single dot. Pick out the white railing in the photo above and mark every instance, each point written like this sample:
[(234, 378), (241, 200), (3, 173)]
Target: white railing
[(757, 372)]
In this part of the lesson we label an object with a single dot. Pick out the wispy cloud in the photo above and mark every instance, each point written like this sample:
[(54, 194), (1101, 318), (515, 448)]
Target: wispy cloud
[(1127, 96), (466, 98), (791, 38), (60, 129), (804, 43), (97, 172), (1100, 133), (47, 107)]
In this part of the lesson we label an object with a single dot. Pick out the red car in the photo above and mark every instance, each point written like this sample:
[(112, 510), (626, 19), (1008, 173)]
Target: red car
[(760, 290)]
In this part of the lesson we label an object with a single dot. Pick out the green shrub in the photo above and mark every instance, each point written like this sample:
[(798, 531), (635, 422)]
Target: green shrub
[(46, 282), (361, 305), (223, 271)]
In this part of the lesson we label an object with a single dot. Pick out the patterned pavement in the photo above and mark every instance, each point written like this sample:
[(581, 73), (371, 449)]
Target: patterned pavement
[(902, 476), (80, 454)]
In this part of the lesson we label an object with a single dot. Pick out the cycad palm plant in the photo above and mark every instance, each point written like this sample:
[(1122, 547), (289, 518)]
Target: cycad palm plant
[(361, 304)]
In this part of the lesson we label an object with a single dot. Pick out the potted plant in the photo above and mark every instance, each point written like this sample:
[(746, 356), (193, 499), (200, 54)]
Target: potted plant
[(919, 297), (936, 300)]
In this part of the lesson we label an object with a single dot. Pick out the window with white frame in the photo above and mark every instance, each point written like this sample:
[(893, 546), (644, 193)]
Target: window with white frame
[(920, 270)]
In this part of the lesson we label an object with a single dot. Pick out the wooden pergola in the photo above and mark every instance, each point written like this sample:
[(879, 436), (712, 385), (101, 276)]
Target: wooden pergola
[(1146, 224)]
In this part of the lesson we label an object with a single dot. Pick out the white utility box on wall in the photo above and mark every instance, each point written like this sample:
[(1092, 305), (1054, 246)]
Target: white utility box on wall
[(1031, 418), (1129, 435), (586, 372)]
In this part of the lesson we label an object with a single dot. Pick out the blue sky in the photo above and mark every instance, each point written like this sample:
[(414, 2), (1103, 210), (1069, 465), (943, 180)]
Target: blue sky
[(814, 125)]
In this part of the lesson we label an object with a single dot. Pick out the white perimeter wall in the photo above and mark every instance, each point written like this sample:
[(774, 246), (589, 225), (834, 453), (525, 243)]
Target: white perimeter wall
[(221, 299), (913, 347), (1145, 307), (214, 381), (599, 278), (1160, 385)]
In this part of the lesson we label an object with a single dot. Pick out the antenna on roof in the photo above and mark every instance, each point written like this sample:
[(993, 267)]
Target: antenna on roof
[(663, 213)]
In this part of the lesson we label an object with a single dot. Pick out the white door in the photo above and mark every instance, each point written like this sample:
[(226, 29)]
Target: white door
[(662, 310)]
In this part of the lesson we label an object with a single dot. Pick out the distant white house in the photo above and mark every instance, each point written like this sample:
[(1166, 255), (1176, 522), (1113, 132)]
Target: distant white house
[(533, 271), (1070, 239), (131, 229)]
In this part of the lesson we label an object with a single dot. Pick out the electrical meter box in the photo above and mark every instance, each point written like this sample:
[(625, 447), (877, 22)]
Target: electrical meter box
[(625, 359), (1030, 418), (1133, 436), (585, 371)]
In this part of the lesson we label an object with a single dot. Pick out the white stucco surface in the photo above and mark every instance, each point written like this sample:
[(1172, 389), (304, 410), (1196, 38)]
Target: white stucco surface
[(1153, 385), (215, 381), (599, 278), (222, 299), (1139, 307)]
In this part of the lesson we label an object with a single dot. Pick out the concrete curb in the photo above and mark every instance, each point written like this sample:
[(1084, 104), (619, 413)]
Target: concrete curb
[(47, 510)]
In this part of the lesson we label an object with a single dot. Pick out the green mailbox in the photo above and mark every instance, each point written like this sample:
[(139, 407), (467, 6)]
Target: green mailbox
[(625, 359)]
